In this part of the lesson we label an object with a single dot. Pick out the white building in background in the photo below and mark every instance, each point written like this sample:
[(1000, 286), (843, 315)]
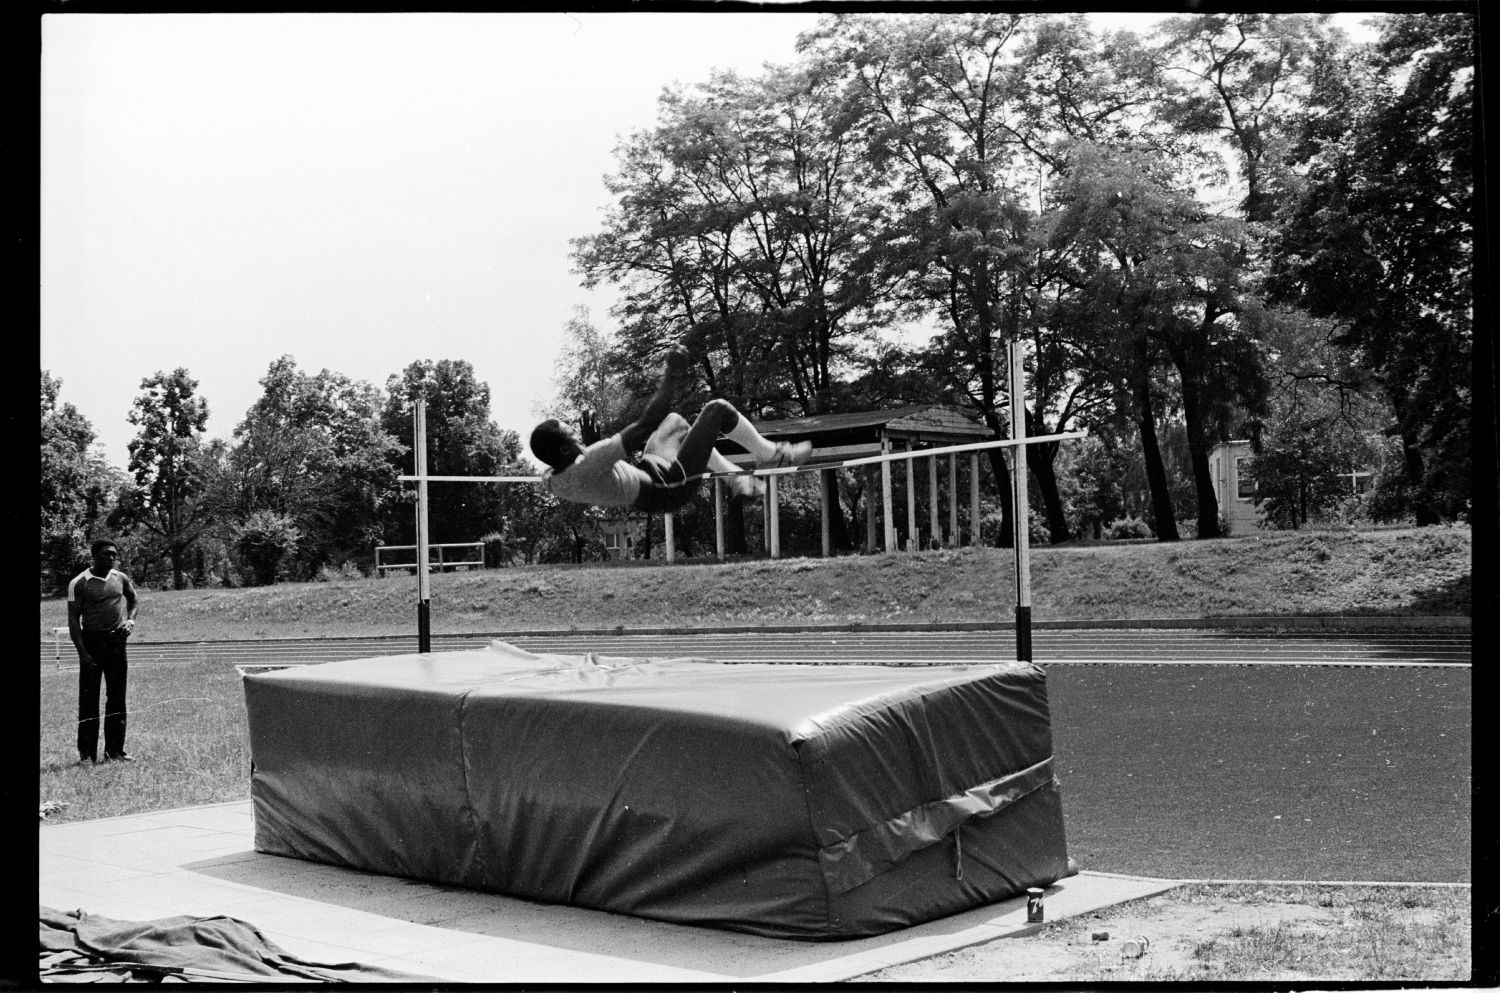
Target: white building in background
[(1234, 488)]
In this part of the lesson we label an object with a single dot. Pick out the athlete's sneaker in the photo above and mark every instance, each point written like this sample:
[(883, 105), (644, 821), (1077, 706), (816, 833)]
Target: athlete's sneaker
[(788, 454)]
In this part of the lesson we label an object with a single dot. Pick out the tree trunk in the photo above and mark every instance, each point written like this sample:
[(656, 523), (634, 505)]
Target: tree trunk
[(1156, 473), (1001, 469), (1006, 537), (734, 526), (1413, 468), (1197, 437), (838, 525), (643, 547), (1040, 462)]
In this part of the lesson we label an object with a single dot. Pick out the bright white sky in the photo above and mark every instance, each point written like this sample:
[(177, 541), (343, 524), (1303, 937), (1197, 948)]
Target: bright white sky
[(359, 191)]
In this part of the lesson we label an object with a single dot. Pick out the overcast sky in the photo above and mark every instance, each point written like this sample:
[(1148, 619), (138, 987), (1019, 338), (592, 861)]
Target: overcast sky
[(359, 191)]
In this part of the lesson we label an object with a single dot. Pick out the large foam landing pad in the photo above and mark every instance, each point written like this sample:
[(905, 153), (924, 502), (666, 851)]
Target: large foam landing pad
[(817, 802)]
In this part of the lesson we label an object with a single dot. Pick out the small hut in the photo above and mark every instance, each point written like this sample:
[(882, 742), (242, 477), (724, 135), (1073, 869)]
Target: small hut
[(841, 438)]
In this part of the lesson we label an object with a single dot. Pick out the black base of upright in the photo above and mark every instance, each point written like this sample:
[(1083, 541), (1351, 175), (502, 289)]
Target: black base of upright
[(1023, 634), (424, 626)]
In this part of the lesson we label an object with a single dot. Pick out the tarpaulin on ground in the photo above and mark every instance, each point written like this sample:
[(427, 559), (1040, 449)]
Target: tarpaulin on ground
[(806, 801), (82, 947)]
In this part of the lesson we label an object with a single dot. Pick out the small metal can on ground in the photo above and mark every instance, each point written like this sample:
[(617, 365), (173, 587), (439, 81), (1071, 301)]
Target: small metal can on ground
[(1135, 947), (1034, 913)]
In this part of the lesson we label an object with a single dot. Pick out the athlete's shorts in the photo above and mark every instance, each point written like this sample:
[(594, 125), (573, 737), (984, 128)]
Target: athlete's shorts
[(669, 487)]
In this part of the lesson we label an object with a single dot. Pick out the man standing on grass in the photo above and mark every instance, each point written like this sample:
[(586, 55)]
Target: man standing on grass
[(101, 615)]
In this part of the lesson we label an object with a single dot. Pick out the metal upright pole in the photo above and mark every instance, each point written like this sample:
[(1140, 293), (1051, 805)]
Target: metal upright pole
[(1022, 510), (424, 608)]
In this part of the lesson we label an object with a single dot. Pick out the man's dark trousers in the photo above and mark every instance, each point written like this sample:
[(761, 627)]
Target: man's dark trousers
[(107, 649)]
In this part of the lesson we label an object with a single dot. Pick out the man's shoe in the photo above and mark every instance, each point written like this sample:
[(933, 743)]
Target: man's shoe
[(121, 757), (85, 760), (788, 454)]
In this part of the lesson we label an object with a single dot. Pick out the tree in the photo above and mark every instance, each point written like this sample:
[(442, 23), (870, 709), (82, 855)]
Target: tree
[(1379, 237), (1114, 216), (166, 467), (1251, 73), (929, 98), (462, 441), (589, 377), (311, 449), (1162, 281), (742, 228), (1297, 475), (76, 487), (1217, 360), (969, 119), (264, 539), (670, 254), (1091, 472), (740, 225)]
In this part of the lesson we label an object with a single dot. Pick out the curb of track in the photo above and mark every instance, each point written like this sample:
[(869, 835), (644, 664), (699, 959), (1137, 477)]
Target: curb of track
[(1335, 623)]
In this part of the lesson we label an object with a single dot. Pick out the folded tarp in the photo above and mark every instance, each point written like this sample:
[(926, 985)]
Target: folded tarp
[(805, 801), (78, 947)]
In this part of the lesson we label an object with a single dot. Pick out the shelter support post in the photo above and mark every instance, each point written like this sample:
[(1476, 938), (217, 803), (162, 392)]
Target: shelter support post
[(828, 490), (974, 537), (719, 518), (934, 509), (911, 497), (953, 499), (885, 498), (773, 516)]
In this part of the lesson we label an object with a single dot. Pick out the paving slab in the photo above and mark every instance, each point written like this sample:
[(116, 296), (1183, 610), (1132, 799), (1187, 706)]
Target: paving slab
[(201, 861)]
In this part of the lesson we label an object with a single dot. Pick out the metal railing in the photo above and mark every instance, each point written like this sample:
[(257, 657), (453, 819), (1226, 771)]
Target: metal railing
[(440, 564)]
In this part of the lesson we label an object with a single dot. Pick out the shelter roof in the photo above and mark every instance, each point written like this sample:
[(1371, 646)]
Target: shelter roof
[(896, 421), (836, 437)]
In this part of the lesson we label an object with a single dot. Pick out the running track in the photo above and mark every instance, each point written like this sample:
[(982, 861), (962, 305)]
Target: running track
[(1049, 647)]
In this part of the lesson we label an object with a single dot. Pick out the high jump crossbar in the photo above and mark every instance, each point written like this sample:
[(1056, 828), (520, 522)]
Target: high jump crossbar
[(1016, 377), (849, 463)]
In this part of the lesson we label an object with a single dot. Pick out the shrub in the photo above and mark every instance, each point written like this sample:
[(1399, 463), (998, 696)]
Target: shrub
[(1128, 528), (1039, 533), (344, 570), (496, 549), (262, 540)]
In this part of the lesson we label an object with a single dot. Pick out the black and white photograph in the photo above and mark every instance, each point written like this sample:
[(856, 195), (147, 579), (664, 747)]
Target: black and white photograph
[(726, 494)]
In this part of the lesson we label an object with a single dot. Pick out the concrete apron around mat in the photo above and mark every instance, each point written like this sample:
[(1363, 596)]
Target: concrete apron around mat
[(200, 861)]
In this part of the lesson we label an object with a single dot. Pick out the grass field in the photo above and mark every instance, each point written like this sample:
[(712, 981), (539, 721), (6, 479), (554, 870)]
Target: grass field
[(1414, 571), (1255, 933)]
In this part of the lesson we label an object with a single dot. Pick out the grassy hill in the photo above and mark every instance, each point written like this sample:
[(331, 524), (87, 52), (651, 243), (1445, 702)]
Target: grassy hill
[(1385, 572)]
